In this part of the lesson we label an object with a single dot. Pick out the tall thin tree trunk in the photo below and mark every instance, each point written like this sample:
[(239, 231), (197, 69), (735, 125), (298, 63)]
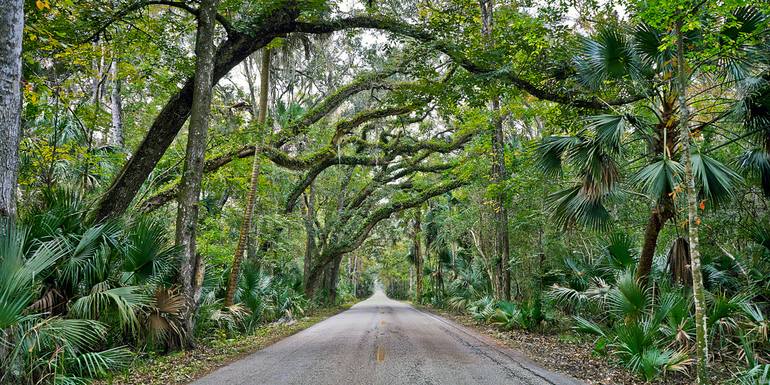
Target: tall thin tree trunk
[(503, 250), (416, 230), (252, 237), (191, 266), (264, 79), (97, 92), (115, 138), (354, 275), (11, 29), (701, 334), (310, 244)]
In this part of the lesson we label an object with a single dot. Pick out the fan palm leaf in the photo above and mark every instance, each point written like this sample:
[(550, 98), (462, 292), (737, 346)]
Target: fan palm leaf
[(551, 151), (659, 179), (607, 56), (124, 302), (716, 180), (609, 130)]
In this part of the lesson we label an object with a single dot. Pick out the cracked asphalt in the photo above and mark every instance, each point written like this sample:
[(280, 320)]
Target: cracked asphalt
[(385, 342)]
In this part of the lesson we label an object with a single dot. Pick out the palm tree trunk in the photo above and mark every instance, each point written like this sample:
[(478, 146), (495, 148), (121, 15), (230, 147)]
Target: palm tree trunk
[(264, 78), (11, 27), (658, 218), (701, 343), (191, 266)]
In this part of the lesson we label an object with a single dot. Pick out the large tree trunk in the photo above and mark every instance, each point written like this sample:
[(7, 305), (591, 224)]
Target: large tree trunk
[(191, 267), (658, 218), (333, 279), (115, 137), (701, 334), (499, 173), (11, 29), (418, 257), (264, 79)]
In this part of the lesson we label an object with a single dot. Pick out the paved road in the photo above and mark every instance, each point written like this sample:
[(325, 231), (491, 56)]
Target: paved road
[(382, 342)]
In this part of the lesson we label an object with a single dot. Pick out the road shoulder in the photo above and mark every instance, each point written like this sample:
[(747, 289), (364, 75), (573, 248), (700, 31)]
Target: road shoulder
[(183, 367), (566, 354)]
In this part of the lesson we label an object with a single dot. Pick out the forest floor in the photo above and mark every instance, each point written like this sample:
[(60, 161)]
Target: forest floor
[(185, 366), (572, 354)]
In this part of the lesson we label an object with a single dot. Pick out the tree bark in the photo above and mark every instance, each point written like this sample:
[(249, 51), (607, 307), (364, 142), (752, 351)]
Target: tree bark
[(354, 275), (418, 258), (191, 266), (499, 172), (115, 138), (310, 243), (333, 275), (658, 218), (693, 221), (264, 80), (11, 29)]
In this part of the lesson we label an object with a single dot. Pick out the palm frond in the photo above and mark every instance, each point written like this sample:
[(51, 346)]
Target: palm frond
[(551, 151), (629, 300), (647, 44), (608, 56), (572, 205), (609, 130), (715, 179), (757, 161), (585, 326), (621, 250), (99, 364), (124, 301), (659, 179)]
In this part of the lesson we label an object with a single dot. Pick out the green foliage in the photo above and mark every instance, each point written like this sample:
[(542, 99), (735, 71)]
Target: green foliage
[(46, 347), (589, 112), (527, 316)]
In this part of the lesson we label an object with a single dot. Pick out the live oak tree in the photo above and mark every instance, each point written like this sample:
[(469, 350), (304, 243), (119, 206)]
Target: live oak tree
[(240, 44), (191, 270)]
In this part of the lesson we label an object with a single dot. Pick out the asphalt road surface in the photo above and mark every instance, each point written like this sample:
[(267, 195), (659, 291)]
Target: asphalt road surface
[(382, 342)]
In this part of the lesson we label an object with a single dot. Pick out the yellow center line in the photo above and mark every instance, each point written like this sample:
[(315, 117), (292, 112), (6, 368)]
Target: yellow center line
[(380, 354)]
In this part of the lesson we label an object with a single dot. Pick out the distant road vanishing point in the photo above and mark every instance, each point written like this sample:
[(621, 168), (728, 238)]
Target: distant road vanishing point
[(385, 342)]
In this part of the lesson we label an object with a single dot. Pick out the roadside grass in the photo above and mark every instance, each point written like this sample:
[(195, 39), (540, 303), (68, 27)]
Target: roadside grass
[(183, 367)]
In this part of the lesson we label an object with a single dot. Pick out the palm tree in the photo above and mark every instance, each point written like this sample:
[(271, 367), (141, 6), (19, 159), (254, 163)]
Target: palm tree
[(756, 112), (264, 78), (36, 346), (600, 151)]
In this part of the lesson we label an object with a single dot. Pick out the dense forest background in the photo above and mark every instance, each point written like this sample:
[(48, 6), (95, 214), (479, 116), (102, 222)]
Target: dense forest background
[(189, 169)]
